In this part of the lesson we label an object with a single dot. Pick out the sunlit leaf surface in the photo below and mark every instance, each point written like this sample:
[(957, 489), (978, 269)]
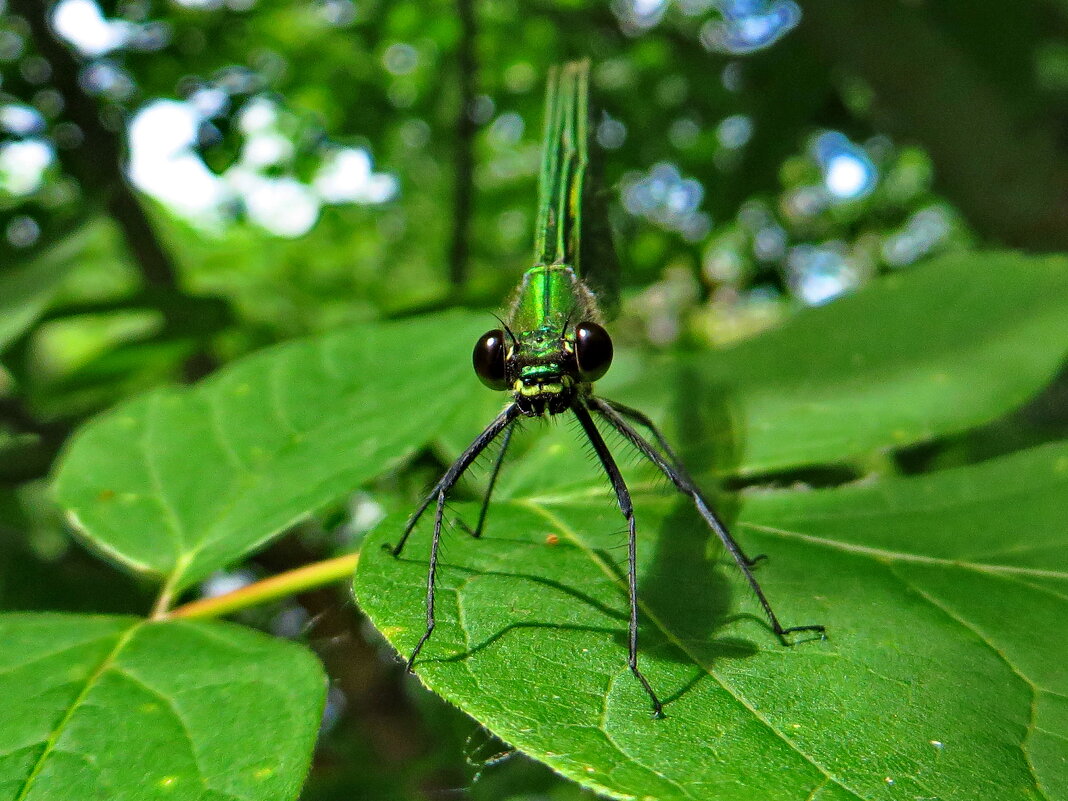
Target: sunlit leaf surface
[(182, 481), (912, 357), (942, 676)]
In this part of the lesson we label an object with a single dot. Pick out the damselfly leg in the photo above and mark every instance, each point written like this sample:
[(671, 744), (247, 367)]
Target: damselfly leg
[(440, 491), (682, 481)]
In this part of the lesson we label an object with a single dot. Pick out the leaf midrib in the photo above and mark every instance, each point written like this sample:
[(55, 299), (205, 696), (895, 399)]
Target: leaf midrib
[(50, 745), (881, 554)]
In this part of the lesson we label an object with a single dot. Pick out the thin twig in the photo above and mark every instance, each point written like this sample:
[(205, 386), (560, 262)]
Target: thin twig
[(291, 582)]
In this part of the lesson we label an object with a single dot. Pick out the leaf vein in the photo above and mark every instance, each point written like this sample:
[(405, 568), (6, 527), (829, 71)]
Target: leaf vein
[(50, 654), (573, 537), (615, 743), (186, 731), (818, 789), (898, 556), (274, 393), (215, 418), (1029, 729)]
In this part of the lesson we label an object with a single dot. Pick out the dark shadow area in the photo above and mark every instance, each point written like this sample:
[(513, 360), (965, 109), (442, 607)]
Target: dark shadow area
[(686, 586), (813, 477), (709, 423), (500, 634), (579, 596), (687, 589), (1041, 420), (692, 617)]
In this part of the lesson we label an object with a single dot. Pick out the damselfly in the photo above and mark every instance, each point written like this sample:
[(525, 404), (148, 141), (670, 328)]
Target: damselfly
[(552, 348)]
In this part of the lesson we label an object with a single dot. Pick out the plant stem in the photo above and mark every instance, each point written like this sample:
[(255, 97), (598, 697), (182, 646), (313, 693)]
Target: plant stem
[(463, 190), (303, 578), (162, 607)]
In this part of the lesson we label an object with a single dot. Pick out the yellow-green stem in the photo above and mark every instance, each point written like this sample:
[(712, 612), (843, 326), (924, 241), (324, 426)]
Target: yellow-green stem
[(291, 582)]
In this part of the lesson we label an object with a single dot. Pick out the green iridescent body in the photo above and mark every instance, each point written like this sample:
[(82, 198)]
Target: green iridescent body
[(553, 296)]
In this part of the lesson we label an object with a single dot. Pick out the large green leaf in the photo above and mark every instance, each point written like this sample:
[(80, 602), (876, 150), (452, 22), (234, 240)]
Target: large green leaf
[(182, 481), (913, 356), (120, 709), (942, 676)]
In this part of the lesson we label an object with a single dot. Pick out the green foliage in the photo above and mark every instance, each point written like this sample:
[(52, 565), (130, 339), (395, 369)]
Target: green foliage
[(26, 290), (117, 708), (920, 357), (215, 471), (938, 592), (940, 675), (921, 581), (943, 589)]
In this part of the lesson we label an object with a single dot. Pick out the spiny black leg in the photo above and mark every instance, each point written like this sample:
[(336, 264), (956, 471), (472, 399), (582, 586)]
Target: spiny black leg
[(680, 480), (477, 531), (430, 576), (452, 475), (642, 419), (627, 508)]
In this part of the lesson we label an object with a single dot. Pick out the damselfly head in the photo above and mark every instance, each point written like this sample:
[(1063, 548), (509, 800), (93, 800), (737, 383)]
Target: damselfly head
[(544, 370)]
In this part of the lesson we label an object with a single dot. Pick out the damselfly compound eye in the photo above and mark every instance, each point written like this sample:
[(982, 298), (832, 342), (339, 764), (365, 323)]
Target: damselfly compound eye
[(488, 359), (593, 351)]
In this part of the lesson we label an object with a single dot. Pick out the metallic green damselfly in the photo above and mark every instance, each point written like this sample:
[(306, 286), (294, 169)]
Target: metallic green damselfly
[(552, 348)]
